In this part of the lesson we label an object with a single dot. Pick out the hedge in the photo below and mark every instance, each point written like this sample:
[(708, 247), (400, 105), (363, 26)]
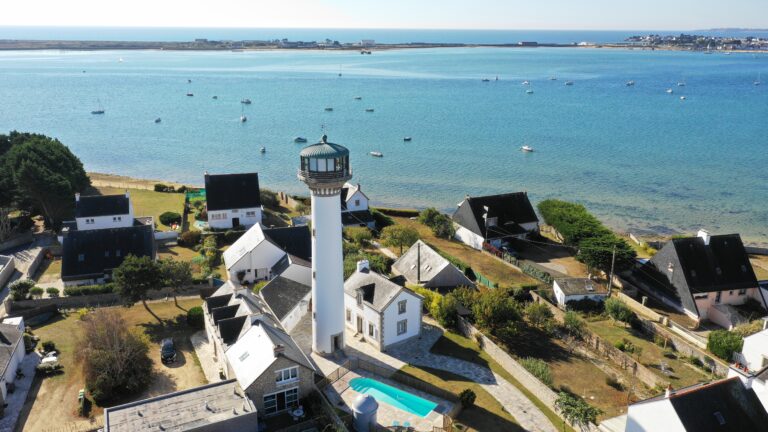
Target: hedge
[(195, 317), (74, 291), (169, 218)]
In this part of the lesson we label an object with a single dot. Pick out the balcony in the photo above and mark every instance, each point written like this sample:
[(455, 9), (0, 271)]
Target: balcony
[(322, 177)]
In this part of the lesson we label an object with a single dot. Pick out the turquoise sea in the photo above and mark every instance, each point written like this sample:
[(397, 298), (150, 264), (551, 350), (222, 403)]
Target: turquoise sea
[(641, 159)]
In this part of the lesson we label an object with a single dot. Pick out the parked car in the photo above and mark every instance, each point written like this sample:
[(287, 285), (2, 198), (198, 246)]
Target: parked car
[(167, 351)]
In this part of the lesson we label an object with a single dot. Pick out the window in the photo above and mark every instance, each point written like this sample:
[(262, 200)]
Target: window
[(357, 203), (402, 327), (401, 307), (322, 165), (717, 296), (270, 404), (250, 214), (106, 254), (743, 291), (235, 211), (81, 258), (117, 253), (292, 397), (359, 298), (349, 315), (371, 328), (719, 271), (117, 218), (700, 296), (287, 375), (313, 164)]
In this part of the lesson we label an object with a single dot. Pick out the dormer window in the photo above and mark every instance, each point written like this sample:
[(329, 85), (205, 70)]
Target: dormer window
[(719, 271), (693, 273), (81, 258), (670, 267)]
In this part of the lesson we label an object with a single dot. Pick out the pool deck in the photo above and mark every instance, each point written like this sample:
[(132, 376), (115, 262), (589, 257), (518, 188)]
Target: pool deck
[(343, 397)]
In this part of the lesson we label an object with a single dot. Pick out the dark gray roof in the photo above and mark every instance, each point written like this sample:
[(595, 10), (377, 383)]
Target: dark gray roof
[(580, 286), (377, 290), (429, 261), (324, 149), (511, 210), (721, 406), (283, 294), (9, 338), (232, 191), (103, 250), (102, 205), (296, 241)]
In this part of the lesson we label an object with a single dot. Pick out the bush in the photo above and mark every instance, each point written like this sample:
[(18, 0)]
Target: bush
[(723, 343), (361, 236), (159, 187), (586, 305), (613, 381), (445, 312), (195, 317), (540, 316), (231, 236), (382, 220), (20, 289), (618, 310), (495, 310), (36, 292), (74, 291), (539, 368), (170, 218), (441, 225), (467, 398), (52, 292), (574, 325), (48, 369), (82, 313), (49, 346), (190, 238), (269, 198)]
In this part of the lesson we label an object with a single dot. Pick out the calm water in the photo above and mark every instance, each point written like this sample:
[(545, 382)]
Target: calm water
[(639, 158)]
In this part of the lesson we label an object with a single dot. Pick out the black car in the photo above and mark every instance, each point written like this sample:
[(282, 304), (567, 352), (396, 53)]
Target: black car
[(167, 351)]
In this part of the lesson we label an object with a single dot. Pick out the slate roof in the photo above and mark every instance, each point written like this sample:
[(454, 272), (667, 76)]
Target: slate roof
[(232, 191), (700, 263), (720, 406), (283, 294), (580, 286), (102, 205), (431, 263), (511, 210), (296, 241), (378, 291), (10, 336), (103, 250)]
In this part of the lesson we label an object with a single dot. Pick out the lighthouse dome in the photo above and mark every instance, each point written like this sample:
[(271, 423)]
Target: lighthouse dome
[(324, 150)]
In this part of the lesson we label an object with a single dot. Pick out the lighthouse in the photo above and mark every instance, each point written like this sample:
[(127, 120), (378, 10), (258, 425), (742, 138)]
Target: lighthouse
[(325, 169)]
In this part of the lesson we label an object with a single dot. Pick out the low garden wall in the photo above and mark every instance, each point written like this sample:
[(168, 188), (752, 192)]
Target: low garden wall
[(17, 241), (8, 267)]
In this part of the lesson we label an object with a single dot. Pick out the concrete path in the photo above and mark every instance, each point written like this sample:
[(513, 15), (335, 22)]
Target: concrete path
[(384, 250), (204, 351), (416, 351), (16, 399)]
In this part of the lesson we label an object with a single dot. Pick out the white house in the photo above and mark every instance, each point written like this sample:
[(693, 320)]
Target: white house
[(751, 364), (252, 257), (575, 289), (720, 406), (103, 211), (422, 265), (11, 355), (494, 219), (381, 311), (354, 207), (233, 200)]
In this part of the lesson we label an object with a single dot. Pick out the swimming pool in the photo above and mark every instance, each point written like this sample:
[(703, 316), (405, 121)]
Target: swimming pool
[(392, 396)]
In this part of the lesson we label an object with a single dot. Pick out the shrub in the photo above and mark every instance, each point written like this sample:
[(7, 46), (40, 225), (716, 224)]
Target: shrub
[(399, 236), (723, 343), (618, 310), (445, 312), (441, 225), (231, 236), (748, 329), (160, 187), (613, 381), (574, 325), (358, 235), (20, 289), (74, 291), (540, 316), (52, 292), (269, 198), (575, 410), (467, 398), (382, 220), (82, 313), (36, 292), (49, 346), (48, 369), (301, 208), (494, 310), (539, 368), (195, 317), (170, 218), (190, 238)]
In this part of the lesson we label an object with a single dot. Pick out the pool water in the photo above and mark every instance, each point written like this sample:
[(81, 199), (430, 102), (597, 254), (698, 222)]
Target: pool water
[(393, 396)]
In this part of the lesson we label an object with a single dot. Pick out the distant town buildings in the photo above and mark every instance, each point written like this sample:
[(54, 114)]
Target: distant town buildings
[(698, 42)]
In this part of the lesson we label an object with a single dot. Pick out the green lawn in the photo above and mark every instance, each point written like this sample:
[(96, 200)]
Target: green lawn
[(486, 415), (181, 253), (455, 345), (682, 373), (150, 203)]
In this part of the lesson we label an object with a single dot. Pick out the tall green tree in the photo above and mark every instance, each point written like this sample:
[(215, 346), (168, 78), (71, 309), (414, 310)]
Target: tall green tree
[(175, 275), (576, 411), (135, 277), (597, 252), (39, 173), (399, 236)]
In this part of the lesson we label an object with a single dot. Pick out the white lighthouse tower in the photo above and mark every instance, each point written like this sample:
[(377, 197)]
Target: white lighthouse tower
[(325, 168)]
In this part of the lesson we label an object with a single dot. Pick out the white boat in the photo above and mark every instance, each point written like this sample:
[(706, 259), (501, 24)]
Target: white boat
[(243, 118), (263, 150), (669, 91), (377, 154), (630, 83), (158, 120), (120, 60), (529, 92), (682, 97), (299, 139), (569, 83), (526, 148), (358, 97), (757, 82), (553, 78), (526, 83), (727, 53), (245, 101)]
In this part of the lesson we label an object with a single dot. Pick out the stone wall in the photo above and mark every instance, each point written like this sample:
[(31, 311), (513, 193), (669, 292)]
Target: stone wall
[(8, 268), (16, 241)]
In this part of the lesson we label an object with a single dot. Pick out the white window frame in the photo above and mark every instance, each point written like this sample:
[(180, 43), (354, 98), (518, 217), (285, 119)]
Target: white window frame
[(402, 327), (288, 402), (287, 375), (402, 307)]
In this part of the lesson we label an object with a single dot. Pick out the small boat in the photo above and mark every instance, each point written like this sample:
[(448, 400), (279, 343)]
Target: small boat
[(120, 60), (486, 80), (158, 120), (553, 78), (328, 108), (215, 97), (529, 92), (369, 110), (727, 53), (526, 83), (190, 94), (340, 70), (630, 83), (263, 150), (682, 97), (243, 118), (497, 77), (569, 83), (526, 148), (245, 101), (189, 81), (407, 139), (100, 110), (358, 98), (757, 82), (669, 91), (299, 140), (377, 154), (681, 84)]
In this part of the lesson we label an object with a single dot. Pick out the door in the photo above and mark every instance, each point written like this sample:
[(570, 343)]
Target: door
[(717, 297), (235, 222), (280, 401), (359, 324)]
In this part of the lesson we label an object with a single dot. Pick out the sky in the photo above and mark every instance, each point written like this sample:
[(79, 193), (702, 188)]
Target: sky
[(413, 14)]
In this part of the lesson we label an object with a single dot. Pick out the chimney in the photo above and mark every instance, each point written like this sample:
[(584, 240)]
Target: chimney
[(704, 234), (669, 392), (77, 197), (363, 266), (279, 349), (358, 187)]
